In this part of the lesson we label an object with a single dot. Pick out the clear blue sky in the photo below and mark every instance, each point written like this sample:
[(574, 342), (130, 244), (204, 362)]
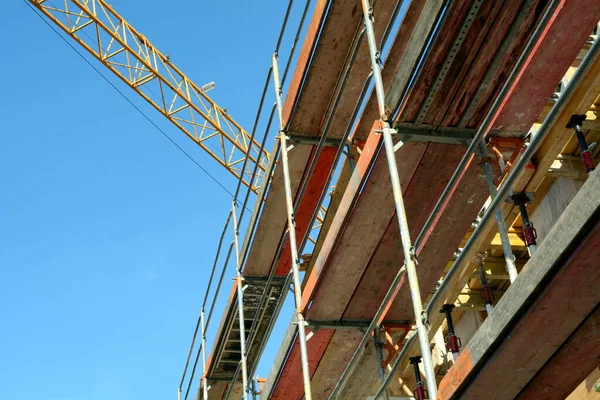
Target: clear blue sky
[(107, 232)]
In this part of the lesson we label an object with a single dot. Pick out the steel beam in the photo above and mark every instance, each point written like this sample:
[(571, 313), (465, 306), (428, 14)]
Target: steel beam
[(362, 325)]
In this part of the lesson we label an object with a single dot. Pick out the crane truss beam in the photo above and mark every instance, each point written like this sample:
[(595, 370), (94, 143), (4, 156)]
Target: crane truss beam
[(129, 55)]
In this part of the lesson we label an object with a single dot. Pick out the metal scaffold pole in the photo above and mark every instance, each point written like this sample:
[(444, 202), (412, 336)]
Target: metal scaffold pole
[(409, 256), (292, 234), (203, 344), (379, 351), (509, 256), (240, 300)]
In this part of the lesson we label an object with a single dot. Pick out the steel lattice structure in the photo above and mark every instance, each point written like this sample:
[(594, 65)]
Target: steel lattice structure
[(130, 55)]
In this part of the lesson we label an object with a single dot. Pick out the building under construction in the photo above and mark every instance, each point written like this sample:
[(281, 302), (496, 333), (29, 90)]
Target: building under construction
[(424, 190)]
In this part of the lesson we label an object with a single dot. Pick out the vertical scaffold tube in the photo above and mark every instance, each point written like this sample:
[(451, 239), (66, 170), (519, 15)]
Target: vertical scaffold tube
[(509, 256), (292, 234), (409, 259), (240, 300), (203, 344), (378, 350)]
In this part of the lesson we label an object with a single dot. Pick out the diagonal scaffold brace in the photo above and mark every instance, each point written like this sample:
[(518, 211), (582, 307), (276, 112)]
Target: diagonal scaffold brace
[(291, 227)]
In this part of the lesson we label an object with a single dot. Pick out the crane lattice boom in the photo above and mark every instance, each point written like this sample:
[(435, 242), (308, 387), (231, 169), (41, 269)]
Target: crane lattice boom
[(126, 52)]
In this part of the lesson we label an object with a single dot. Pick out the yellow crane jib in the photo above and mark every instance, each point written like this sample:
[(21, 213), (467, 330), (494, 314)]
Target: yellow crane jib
[(97, 27)]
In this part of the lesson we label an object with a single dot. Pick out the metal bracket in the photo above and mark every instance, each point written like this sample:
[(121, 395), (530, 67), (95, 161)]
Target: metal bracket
[(392, 346), (520, 198), (450, 57), (296, 138), (576, 120), (447, 135), (398, 145), (356, 324), (433, 134)]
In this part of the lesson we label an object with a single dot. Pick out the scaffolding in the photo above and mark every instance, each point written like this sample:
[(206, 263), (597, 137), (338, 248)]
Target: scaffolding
[(390, 144), (256, 301)]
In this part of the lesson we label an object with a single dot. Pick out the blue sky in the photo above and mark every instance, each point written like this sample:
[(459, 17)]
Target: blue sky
[(107, 231)]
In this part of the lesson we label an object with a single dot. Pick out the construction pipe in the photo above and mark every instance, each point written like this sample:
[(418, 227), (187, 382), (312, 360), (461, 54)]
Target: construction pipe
[(218, 289), (488, 122), (509, 256), (420, 393), (586, 155), (321, 198), (271, 115), (378, 350), (291, 228), (240, 301), (341, 383), (203, 344), (323, 192), (212, 306), (453, 343), (351, 122), (322, 140), (275, 150), (313, 162), (338, 96), (258, 113), (270, 167), (528, 231), (269, 171)]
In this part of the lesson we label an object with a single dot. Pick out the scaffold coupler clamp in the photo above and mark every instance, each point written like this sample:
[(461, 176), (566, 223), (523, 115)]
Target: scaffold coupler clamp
[(282, 134), (420, 392), (393, 131), (575, 123), (425, 319), (413, 255), (453, 343)]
